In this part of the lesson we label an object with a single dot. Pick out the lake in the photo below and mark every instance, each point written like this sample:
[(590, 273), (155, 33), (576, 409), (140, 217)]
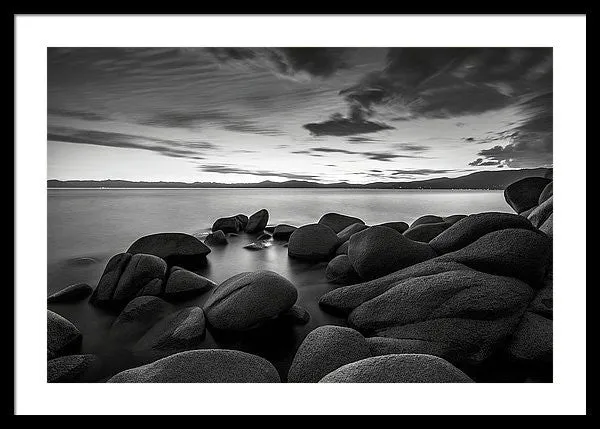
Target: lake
[(87, 226)]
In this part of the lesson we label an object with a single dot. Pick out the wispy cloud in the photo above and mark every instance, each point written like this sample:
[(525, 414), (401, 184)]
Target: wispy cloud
[(377, 156), (223, 169)]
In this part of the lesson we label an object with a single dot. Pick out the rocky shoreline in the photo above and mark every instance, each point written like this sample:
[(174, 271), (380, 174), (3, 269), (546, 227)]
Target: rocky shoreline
[(445, 299)]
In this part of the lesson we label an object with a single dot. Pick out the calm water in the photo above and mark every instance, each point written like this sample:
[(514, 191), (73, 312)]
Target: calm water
[(87, 226)]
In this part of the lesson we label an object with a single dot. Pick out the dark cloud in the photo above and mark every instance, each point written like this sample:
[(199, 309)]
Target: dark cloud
[(77, 114), (362, 140), (223, 169), (481, 162), (171, 148), (409, 147), (420, 172), (340, 126), (377, 156)]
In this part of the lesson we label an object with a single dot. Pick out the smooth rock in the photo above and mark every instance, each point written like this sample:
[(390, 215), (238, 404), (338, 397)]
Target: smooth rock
[(183, 284), (525, 193), (296, 315), (243, 220), (249, 299), (340, 271), (258, 245), (203, 366), (427, 219), (141, 314), (543, 302), (473, 227), (426, 232), (398, 368), (398, 226), (283, 231), (546, 193), (63, 337), (74, 368), (337, 222), (71, 293), (518, 253), (345, 234), (532, 340), (546, 227), (541, 213), (380, 346), (257, 222), (324, 350), (175, 248), (342, 249), (232, 224), (314, 242), (452, 219), (377, 251), (217, 238)]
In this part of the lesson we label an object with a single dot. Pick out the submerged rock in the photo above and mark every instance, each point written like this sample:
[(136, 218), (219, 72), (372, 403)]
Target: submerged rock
[(71, 293), (525, 193), (337, 222), (217, 238), (426, 232), (257, 222), (314, 242), (340, 271), (398, 368), (324, 350), (283, 231), (203, 366), (184, 284), (74, 368), (175, 248), (249, 299), (63, 336), (378, 251)]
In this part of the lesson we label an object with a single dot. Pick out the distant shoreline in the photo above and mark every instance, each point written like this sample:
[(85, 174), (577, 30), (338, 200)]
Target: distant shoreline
[(274, 187)]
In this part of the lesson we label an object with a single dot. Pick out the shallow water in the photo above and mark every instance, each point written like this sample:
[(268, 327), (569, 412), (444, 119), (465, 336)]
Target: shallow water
[(87, 226)]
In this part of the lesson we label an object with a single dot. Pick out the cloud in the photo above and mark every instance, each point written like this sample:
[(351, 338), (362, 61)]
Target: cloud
[(361, 140), (481, 162), (223, 169), (412, 147), (170, 148), (377, 156), (340, 126), (77, 114), (420, 172)]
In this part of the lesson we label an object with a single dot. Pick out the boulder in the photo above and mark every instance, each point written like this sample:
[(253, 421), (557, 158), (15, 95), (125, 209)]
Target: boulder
[(466, 312), (546, 193), (379, 346), (249, 299), (127, 276), (527, 212), (398, 226), (377, 251), (243, 220), (541, 213), (532, 340), (525, 193), (343, 249), (178, 331), (283, 231), (74, 368), (232, 224), (296, 315), (427, 219), (257, 222), (63, 337), (546, 227), (141, 314), (217, 238), (340, 271), (398, 368), (473, 227), (337, 222), (426, 232), (345, 299), (314, 242), (324, 350), (203, 366), (175, 248), (518, 253), (452, 219), (184, 284), (345, 234), (71, 293)]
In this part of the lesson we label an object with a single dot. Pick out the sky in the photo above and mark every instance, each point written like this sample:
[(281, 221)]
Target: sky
[(242, 115)]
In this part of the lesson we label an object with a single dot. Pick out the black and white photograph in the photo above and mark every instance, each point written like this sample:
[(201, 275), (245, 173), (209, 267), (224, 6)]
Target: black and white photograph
[(300, 214)]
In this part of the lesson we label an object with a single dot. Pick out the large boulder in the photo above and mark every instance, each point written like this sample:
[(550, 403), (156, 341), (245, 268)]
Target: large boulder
[(71, 293), (184, 284), (426, 232), (203, 366), (532, 340), (127, 276), (541, 213), (345, 234), (249, 299), (217, 238), (398, 368), (467, 312), (427, 219), (324, 350), (283, 231), (257, 222), (337, 222), (174, 247), (546, 193), (63, 337), (137, 318), (340, 271), (518, 253), (231, 224), (525, 193), (377, 251), (74, 368), (473, 227), (398, 226), (314, 242), (345, 299)]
